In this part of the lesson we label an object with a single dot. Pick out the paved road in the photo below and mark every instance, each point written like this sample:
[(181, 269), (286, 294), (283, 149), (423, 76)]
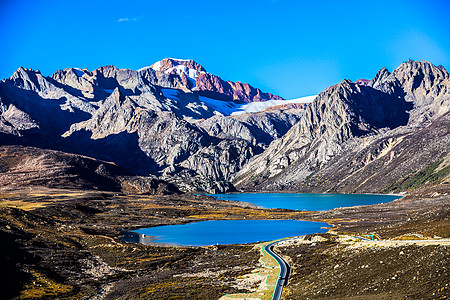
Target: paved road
[(284, 272)]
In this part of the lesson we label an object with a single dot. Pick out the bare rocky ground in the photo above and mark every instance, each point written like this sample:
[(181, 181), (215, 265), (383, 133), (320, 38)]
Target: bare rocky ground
[(327, 266)]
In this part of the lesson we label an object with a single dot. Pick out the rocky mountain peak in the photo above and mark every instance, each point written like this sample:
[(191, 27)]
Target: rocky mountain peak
[(28, 79), (413, 74), (192, 76), (23, 73), (380, 77), (424, 85)]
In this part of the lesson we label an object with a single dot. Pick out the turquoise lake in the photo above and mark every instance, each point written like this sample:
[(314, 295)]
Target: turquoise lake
[(251, 231), (306, 201), (224, 232)]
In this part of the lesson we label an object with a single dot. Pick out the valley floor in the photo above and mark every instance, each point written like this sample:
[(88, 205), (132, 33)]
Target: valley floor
[(66, 244)]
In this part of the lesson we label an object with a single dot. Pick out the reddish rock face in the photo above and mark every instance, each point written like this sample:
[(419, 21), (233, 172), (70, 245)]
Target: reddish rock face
[(185, 81), (213, 86), (168, 63)]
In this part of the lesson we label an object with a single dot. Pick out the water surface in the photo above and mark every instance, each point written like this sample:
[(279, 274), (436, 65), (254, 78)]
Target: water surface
[(224, 232), (306, 201)]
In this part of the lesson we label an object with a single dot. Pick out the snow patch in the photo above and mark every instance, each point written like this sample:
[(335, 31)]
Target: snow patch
[(229, 108), (260, 106), (306, 99), (156, 66), (226, 108)]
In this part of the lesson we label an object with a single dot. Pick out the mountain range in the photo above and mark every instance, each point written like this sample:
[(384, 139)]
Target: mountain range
[(176, 126)]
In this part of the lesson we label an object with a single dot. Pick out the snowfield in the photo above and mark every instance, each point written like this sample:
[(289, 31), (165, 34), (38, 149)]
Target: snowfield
[(260, 106), (228, 108)]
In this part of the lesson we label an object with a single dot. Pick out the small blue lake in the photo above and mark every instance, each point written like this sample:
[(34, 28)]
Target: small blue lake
[(311, 202), (251, 231), (224, 232)]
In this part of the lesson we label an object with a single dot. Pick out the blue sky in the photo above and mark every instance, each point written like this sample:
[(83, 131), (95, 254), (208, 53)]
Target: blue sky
[(290, 48)]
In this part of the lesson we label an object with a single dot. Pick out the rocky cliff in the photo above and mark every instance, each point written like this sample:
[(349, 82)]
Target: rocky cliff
[(213, 86)]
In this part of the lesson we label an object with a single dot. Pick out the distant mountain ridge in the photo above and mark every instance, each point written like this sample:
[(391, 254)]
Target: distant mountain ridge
[(177, 123)]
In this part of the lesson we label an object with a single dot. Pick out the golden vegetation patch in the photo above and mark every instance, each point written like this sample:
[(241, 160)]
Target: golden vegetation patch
[(25, 205), (243, 213), (41, 286)]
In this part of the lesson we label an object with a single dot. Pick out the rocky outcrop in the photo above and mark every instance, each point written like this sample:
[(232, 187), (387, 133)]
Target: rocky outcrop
[(221, 161), (288, 107), (35, 111), (13, 120), (424, 85), (165, 139), (147, 185), (256, 128)]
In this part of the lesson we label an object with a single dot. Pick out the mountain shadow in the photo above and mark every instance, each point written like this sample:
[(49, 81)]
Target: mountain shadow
[(122, 149)]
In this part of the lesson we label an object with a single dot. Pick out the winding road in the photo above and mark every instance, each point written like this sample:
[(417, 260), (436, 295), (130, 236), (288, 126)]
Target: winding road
[(284, 271)]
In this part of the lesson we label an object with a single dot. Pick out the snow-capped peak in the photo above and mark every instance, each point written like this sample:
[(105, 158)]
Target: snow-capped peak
[(180, 66)]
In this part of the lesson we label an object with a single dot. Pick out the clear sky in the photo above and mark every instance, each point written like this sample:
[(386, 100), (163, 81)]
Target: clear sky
[(291, 48)]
